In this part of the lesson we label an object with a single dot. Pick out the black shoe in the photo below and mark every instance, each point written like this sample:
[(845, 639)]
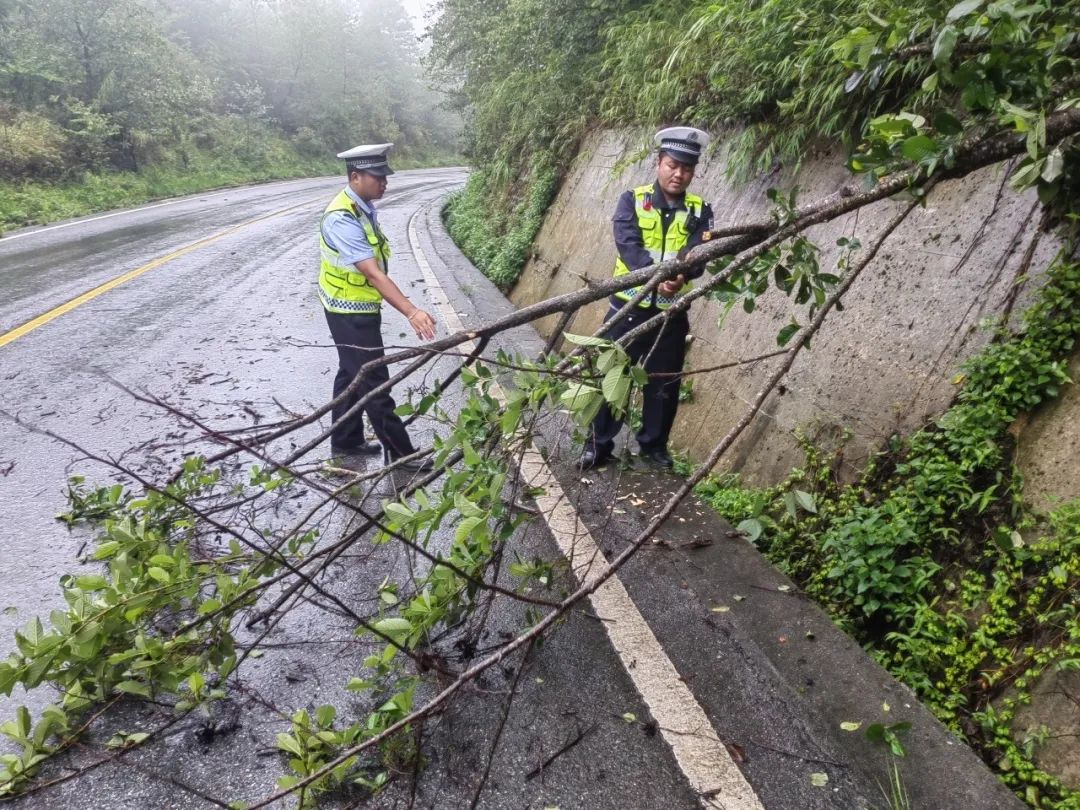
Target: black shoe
[(364, 448), (657, 455), (423, 464), (592, 458)]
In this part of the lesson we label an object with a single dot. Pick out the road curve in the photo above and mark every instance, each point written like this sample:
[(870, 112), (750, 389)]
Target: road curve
[(204, 328)]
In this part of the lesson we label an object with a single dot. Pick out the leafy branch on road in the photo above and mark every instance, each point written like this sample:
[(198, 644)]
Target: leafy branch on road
[(195, 565)]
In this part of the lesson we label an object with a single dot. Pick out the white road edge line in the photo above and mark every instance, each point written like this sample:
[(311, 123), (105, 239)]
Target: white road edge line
[(701, 755)]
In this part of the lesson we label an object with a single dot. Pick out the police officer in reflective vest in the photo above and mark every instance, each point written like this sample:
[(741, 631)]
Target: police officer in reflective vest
[(353, 283), (655, 223)]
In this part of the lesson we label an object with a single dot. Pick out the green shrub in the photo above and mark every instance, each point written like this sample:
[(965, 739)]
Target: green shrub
[(32, 146), (32, 203), (496, 232), (933, 561)]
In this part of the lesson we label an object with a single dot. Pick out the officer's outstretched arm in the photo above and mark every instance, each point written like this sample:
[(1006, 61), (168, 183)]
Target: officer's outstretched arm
[(421, 322)]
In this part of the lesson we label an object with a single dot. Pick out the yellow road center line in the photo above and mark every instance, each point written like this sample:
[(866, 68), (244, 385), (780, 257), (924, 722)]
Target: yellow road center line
[(698, 750), (63, 309)]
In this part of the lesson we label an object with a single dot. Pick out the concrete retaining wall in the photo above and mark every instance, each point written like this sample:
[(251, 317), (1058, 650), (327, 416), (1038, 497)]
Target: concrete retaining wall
[(885, 364)]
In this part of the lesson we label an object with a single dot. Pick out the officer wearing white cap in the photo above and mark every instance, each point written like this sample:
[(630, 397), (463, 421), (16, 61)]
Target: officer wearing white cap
[(654, 223), (353, 283)]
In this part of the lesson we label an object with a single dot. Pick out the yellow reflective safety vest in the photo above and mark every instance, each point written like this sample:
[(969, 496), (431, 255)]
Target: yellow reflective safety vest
[(660, 244), (341, 288)]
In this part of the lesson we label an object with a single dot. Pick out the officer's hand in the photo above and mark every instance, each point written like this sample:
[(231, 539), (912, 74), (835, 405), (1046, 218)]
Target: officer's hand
[(669, 288), (423, 324)]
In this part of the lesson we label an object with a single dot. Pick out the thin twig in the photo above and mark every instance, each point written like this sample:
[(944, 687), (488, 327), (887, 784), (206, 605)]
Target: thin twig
[(581, 735), (502, 725)]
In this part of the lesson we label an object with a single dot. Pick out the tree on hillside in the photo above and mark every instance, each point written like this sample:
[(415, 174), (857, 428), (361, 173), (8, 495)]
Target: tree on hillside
[(98, 84), (99, 75)]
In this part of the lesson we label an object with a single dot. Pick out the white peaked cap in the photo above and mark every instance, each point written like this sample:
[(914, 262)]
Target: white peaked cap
[(371, 157), (685, 144)]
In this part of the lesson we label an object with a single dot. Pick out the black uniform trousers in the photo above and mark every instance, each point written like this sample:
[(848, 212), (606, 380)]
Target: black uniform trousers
[(359, 341), (660, 397)]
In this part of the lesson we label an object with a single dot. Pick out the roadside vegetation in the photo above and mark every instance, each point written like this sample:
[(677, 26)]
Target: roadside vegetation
[(533, 77), (932, 558), (196, 569), (108, 104)]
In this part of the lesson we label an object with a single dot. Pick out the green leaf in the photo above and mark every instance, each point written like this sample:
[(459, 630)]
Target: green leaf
[(468, 454), (91, 582), (465, 506), (785, 335), (751, 528), (325, 715), (806, 501), (22, 719), (790, 504), (584, 401), (160, 574), (586, 340), (341, 771), (919, 147), (61, 621), (578, 396), (616, 387), (963, 9), (107, 550), (510, 418), (33, 631), (8, 679), (947, 124), (467, 527), (399, 512), (394, 627), (287, 742), (944, 45), (496, 487), (1054, 166), (610, 358), (1028, 173), (1047, 193), (133, 688)]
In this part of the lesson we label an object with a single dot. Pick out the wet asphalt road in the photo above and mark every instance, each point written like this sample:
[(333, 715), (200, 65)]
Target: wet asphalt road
[(230, 327), (203, 330), (233, 330)]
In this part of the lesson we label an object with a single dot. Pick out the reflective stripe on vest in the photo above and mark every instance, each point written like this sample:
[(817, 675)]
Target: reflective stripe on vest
[(660, 246), (341, 288)]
